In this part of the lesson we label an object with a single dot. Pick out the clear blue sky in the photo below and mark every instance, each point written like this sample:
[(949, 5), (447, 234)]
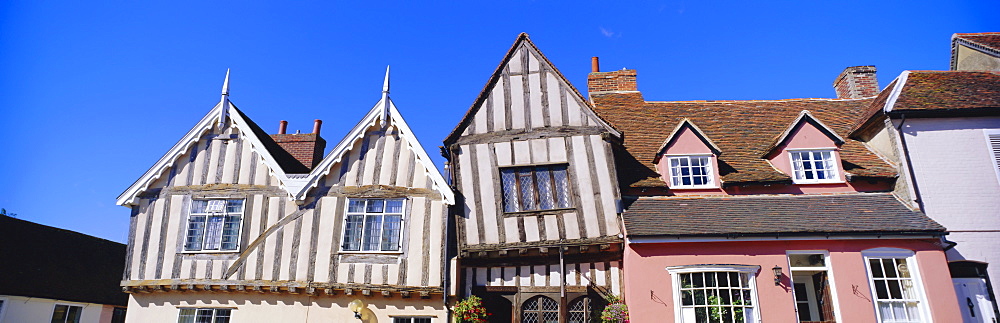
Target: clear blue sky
[(92, 93)]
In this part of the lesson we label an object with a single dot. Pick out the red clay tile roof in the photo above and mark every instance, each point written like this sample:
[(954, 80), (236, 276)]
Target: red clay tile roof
[(939, 93), (990, 40), (860, 213), (743, 130)]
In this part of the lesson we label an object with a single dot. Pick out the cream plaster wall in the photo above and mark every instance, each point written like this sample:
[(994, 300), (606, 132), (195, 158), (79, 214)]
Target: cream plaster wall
[(254, 307), (972, 60), (19, 309)]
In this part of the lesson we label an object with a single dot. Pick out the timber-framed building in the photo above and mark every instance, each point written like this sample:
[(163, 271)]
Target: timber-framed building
[(235, 224), (537, 217)]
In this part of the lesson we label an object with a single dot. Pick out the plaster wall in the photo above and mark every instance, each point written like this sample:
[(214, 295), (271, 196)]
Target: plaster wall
[(253, 307), (805, 136), (649, 294), (971, 60), (958, 184), (19, 309)]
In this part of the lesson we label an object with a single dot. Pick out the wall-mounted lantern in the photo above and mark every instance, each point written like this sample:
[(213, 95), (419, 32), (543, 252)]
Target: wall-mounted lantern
[(356, 306), (777, 275)]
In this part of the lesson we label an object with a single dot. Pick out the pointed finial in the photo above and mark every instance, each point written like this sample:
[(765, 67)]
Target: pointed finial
[(385, 99), (385, 84), (224, 101)]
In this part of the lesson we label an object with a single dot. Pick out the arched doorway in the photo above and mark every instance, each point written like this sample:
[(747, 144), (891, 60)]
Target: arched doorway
[(540, 309)]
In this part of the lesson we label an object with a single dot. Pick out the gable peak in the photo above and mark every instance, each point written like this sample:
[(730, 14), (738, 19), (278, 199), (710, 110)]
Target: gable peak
[(224, 101)]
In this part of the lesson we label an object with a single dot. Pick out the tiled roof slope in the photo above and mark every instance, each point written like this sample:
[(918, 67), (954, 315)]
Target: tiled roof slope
[(743, 130), (287, 162), (990, 40), (860, 213), (938, 92)]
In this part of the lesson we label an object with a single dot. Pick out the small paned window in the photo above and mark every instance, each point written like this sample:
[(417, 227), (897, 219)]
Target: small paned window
[(540, 309), (690, 171), (535, 188), (214, 225), (66, 314), (896, 296), (204, 315), (401, 319), (814, 166), (373, 225), (580, 310)]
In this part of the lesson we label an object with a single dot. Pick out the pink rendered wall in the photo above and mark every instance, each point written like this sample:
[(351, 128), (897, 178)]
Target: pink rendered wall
[(687, 142), (649, 291)]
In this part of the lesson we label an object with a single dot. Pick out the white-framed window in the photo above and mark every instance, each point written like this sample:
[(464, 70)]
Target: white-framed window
[(895, 285), (214, 225), (373, 225), (690, 171), (812, 286), (204, 315), (993, 146), (63, 313), (814, 166), (534, 188), (411, 319), (715, 293)]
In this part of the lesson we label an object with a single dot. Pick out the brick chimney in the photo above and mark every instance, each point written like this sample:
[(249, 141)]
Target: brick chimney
[(610, 82), (856, 82), (307, 148)]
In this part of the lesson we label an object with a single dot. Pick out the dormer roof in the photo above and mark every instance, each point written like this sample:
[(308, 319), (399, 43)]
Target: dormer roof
[(987, 43), (742, 130), (804, 117), (686, 124)]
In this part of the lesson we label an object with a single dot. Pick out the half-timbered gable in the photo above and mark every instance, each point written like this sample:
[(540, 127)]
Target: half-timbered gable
[(228, 209), (539, 198)]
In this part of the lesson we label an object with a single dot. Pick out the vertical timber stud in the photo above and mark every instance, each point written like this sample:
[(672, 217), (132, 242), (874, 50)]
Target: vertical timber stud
[(563, 310)]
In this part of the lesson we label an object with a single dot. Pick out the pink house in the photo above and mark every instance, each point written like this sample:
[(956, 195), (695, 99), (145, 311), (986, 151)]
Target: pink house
[(766, 211)]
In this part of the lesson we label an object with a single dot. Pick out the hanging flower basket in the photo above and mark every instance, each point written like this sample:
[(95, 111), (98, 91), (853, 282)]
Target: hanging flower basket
[(615, 312), (470, 310)]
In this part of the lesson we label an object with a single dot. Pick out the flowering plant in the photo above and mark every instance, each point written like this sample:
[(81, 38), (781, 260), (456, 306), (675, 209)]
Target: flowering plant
[(470, 310), (615, 311)]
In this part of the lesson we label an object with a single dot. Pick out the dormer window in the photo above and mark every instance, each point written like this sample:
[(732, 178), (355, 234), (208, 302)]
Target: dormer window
[(814, 166), (690, 171)]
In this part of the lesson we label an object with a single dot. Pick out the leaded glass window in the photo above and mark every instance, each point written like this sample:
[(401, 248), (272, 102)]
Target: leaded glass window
[(373, 225), (579, 310), (534, 188), (540, 309), (214, 225)]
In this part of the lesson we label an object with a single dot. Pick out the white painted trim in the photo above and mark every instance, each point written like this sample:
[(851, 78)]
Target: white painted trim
[(817, 148), (788, 130), (828, 267), (402, 226), (187, 224), (714, 182), (835, 159), (775, 237), (894, 95), (994, 154), (911, 261), (750, 270)]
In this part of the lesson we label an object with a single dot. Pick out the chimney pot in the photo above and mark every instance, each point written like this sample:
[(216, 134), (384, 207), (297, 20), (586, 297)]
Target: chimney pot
[(282, 126), (316, 126), (595, 65)]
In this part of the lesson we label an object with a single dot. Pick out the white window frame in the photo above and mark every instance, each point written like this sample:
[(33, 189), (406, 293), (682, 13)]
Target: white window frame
[(834, 160), (828, 266), (709, 171), (239, 229), (914, 268), (214, 312), (68, 306), (402, 226), (750, 270), (994, 151)]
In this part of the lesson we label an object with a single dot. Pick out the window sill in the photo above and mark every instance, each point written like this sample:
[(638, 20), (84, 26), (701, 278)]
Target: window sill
[(539, 212), (355, 252), (210, 252)]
